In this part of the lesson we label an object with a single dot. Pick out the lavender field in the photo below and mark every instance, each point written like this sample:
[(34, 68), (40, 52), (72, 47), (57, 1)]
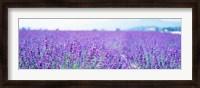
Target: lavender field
[(45, 49)]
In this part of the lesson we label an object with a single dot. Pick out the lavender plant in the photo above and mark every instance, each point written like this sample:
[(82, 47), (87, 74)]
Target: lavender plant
[(40, 49)]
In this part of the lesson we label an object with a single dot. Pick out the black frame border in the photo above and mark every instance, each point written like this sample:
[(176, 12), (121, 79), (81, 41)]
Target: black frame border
[(194, 4)]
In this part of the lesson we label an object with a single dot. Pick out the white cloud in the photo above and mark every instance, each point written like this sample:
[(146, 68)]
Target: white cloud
[(172, 20), (81, 24)]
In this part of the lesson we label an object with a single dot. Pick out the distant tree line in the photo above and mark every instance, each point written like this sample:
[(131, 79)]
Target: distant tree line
[(168, 29), (23, 28)]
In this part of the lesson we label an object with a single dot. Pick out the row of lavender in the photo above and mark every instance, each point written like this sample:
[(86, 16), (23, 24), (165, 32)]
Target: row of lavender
[(98, 50)]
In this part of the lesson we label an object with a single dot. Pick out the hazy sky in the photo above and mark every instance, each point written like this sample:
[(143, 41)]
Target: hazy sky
[(90, 24)]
